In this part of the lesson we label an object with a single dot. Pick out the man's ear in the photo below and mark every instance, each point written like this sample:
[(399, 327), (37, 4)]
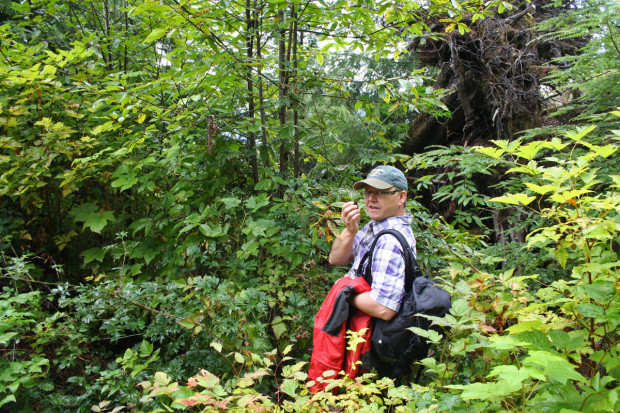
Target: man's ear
[(403, 198)]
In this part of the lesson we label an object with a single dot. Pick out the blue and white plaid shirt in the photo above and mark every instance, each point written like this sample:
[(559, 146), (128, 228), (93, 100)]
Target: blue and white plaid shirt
[(388, 265)]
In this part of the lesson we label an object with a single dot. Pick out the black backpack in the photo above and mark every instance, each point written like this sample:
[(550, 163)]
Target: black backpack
[(394, 347)]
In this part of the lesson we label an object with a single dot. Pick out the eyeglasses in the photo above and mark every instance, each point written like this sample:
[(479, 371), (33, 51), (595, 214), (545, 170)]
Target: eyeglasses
[(380, 194)]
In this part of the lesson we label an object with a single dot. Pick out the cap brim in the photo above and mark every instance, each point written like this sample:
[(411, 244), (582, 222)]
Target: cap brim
[(374, 182)]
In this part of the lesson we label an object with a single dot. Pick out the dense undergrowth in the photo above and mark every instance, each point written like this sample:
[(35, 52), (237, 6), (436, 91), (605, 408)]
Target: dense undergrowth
[(235, 340), (152, 259)]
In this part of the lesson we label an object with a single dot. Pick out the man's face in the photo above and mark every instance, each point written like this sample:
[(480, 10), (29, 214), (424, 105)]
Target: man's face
[(384, 203)]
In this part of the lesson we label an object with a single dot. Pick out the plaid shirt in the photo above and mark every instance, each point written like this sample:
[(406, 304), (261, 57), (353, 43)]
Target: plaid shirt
[(388, 265)]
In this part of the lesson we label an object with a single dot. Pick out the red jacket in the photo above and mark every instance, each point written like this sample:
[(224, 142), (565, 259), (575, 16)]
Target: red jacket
[(330, 326)]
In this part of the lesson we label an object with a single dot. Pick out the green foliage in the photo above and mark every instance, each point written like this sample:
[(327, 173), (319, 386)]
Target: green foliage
[(456, 177), (559, 327), (587, 87), (206, 392), (21, 370), (154, 225)]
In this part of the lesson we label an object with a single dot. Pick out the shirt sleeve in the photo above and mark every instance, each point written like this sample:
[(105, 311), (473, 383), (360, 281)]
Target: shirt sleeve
[(388, 273)]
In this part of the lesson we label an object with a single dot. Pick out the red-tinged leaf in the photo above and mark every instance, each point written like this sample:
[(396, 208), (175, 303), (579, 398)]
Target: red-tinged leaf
[(187, 402), (488, 328)]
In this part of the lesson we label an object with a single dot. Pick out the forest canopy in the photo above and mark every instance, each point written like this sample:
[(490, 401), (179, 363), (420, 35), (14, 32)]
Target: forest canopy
[(172, 173)]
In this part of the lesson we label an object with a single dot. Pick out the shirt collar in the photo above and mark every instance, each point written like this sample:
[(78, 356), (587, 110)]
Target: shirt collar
[(378, 226)]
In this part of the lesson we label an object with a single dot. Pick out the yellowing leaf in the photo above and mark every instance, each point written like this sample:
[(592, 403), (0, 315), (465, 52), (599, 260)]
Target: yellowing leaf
[(141, 118), (155, 35), (568, 195), (187, 322), (539, 189), (387, 96), (514, 199), (492, 152)]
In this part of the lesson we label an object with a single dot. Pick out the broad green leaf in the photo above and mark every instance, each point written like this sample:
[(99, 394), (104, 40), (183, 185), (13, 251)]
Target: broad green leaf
[(540, 189), (146, 349), (601, 230), (553, 366), (5, 338), (535, 339), (146, 250), (213, 231), (601, 291), (505, 342), (92, 254), (98, 220), (83, 212), (570, 341), (565, 196), (579, 133), (524, 326), (143, 223), (606, 151), (8, 399), (231, 203), (432, 335), (460, 308), (590, 310), (156, 35), (491, 390), (290, 386), (287, 350), (507, 372), (125, 181), (256, 202), (514, 199), (491, 152), (287, 131), (279, 327), (530, 150)]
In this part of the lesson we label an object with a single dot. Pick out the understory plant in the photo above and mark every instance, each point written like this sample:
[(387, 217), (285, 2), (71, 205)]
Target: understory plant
[(515, 343)]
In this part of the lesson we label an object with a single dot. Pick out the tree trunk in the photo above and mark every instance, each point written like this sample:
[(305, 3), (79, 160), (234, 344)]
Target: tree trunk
[(282, 79), (251, 26)]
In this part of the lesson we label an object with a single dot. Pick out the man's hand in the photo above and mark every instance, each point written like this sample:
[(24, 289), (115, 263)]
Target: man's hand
[(351, 217), (342, 248)]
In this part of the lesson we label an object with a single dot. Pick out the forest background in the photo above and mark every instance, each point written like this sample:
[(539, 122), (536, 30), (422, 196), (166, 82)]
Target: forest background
[(171, 175)]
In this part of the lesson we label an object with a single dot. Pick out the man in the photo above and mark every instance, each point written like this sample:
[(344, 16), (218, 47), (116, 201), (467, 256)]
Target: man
[(385, 198)]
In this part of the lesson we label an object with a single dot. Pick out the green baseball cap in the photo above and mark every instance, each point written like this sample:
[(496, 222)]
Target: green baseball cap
[(383, 177)]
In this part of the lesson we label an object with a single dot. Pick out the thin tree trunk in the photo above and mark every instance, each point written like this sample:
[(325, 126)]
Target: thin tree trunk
[(296, 169), (266, 149), (251, 27), (282, 91)]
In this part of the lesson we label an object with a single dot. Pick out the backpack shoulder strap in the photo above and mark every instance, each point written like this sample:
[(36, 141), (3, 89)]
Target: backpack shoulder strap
[(412, 270)]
